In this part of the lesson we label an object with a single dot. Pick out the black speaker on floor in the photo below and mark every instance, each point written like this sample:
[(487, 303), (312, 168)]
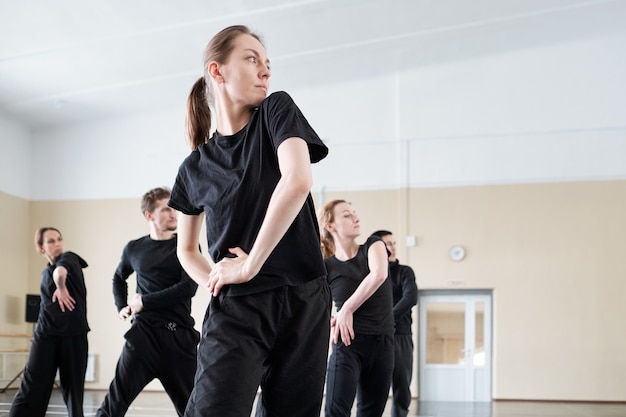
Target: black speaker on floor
[(32, 307)]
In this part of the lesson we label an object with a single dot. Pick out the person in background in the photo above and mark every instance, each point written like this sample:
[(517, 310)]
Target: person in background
[(162, 342), (268, 320), (404, 298), (362, 330), (60, 339)]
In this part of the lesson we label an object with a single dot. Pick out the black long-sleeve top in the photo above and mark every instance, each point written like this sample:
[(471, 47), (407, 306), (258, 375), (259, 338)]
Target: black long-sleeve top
[(404, 296), (165, 287)]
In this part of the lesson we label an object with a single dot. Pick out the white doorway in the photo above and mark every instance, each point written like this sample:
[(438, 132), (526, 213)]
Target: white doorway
[(454, 345)]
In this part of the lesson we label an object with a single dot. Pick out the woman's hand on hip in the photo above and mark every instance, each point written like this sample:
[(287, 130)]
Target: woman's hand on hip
[(229, 271)]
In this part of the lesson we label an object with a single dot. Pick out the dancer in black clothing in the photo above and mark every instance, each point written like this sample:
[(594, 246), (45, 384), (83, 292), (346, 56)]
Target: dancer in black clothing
[(162, 341), (60, 339), (404, 298), (362, 330), (268, 320)]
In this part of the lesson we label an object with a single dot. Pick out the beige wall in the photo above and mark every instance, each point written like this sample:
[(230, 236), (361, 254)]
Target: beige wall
[(552, 253), (14, 284), (14, 247)]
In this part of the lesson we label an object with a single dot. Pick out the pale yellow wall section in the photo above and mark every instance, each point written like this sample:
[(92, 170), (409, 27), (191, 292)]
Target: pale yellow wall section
[(15, 279), (552, 253)]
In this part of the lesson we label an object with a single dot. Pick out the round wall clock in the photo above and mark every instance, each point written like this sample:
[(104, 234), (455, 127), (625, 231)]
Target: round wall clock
[(457, 253)]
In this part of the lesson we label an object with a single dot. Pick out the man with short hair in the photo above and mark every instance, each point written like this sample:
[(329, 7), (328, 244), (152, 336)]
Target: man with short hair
[(404, 298), (162, 342)]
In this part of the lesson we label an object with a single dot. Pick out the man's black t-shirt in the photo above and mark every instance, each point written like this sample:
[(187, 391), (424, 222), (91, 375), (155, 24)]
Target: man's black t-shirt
[(375, 315), (231, 180)]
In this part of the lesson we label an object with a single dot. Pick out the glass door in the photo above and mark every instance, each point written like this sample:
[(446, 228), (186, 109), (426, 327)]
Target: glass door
[(454, 346)]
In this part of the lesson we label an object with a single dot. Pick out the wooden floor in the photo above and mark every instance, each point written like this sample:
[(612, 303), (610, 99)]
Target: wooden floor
[(157, 404)]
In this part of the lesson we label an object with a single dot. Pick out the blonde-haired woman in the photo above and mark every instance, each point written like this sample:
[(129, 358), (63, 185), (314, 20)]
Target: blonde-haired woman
[(362, 329)]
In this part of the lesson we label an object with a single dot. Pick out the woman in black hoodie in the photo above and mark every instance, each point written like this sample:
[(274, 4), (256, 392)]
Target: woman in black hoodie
[(60, 339)]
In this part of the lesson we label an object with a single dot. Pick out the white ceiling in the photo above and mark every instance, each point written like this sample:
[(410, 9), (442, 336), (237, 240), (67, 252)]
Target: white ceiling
[(70, 61)]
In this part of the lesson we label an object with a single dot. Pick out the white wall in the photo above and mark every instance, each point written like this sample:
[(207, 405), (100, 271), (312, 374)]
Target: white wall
[(118, 158), (546, 114), (15, 158), (554, 113)]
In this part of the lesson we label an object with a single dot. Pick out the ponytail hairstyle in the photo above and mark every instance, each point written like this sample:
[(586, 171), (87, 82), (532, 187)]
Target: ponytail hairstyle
[(200, 98), (327, 215)]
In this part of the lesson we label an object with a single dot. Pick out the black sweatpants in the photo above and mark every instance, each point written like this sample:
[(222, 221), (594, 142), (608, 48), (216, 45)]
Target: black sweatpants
[(167, 353), (362, 369), (277, 339), (68, 354), (402, 373)]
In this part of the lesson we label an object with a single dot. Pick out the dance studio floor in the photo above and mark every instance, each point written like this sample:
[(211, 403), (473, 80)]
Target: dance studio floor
[(157, 404)]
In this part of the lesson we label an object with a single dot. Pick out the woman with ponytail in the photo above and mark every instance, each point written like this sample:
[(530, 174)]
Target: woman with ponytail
[(268, 320), (362, 330)]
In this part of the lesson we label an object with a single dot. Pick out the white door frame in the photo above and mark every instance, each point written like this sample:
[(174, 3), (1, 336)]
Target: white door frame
[(466, 381)]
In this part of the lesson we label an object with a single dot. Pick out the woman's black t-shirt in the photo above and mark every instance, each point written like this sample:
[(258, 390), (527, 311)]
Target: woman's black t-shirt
[(231, 180), (375, 315)]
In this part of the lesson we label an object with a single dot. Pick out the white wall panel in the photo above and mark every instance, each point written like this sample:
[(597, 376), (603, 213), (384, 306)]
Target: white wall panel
[(353, 112), (570, 156), (120, 158), (351, 167), (571, 86), (15, 159)]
